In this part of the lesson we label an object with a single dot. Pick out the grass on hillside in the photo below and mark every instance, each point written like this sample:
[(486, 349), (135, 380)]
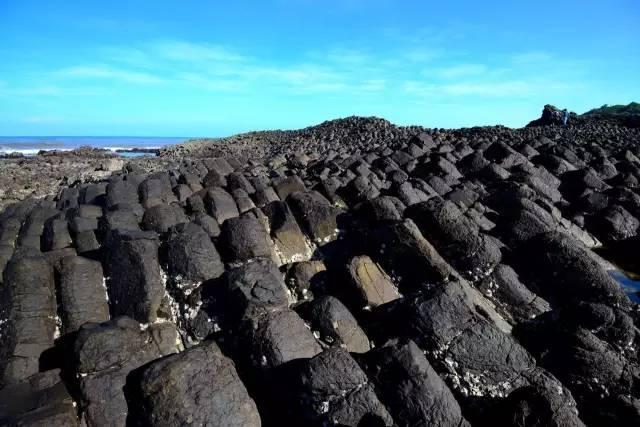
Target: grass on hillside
[(616, 110)]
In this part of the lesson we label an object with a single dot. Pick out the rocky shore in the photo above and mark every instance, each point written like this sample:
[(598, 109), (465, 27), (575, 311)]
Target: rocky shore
[(354, 273)]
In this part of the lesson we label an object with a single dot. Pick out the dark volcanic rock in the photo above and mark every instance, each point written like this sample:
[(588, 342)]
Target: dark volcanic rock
[(135, 284), (315, 214), (257, 284), (192, 255), (352, 273), (197, 386), (83, 293), (563, 271), (455, 236), (335, 325), (401, 373), (28, 313), (105, 354), (245, 237), (160, 218), (331, 387), (273, 338)]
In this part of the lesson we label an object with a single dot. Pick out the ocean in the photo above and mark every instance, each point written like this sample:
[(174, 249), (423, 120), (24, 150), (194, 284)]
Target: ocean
[(30, 145)]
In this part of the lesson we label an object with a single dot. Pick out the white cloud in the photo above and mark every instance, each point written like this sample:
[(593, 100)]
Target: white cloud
[(373, 85), (195, 52), (107, 72), (486, 89), (457, 71), (201, 81)]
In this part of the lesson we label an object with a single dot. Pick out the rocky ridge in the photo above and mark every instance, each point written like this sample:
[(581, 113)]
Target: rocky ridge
[(353, 273)]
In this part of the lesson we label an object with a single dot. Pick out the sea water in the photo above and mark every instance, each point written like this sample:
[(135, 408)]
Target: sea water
[(630, 286), (31, 145)]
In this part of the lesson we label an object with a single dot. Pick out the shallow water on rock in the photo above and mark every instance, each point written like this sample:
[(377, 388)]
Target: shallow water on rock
[(629, 285)]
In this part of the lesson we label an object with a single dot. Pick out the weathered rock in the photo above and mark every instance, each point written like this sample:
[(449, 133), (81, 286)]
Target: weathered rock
[(290, 244), (28, 313), (191, 254), (56, 235), (410, 388), (105, 354), (334, 324), (513, 299), (135, 285), (288, 185), (372, 286), (83, 293), (160, 218), (306, 277), (198, 386), (315, 214), (331, 387), (272, 338), (564, 270), (121, 192), (40, 400), (220, 204), (407, 255), (455, 236), (244, 238), (257, 284)]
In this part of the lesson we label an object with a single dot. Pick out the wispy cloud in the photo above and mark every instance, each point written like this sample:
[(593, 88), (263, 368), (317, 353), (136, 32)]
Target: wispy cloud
[(213, 84), (531, 57), (194, 52), (107, 72), (485, 89), (341, 70), (457, 71)]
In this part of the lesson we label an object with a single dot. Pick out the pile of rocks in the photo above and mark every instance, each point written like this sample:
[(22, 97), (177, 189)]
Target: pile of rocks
[(355, 273)]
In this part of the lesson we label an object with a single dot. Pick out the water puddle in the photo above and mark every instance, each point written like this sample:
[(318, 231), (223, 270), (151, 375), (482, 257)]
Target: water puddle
[(630, 286)]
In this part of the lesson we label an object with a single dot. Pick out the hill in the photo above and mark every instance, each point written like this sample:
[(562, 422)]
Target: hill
[(615, 110)]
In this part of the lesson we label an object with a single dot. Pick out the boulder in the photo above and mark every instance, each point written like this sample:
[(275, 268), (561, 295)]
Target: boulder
[(120, 192), (191, 254), (563, 270), (410, 388), (83, 294), (408, 257), (160, 218), (197, 386), (56, 235), (372, 286), (315, 214), (135, 284), (287, 185), (455, 236), (40, 400), (28, 313), (332, 388), (290, 243), (273, 338), (243, 238), (220, 204), (334, 324), (254, 285), (104, 355)]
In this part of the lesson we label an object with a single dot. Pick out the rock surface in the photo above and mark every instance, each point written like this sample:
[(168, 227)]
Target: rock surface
[(352, 273)]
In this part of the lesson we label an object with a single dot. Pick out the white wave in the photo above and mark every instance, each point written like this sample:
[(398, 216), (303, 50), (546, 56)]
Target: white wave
[(30, 151), (132, 148)]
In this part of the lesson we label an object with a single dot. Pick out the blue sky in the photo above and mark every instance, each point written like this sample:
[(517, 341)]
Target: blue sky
[(211, 68)]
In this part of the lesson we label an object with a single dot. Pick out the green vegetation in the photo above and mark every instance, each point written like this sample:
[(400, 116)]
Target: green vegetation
[(616, 110)]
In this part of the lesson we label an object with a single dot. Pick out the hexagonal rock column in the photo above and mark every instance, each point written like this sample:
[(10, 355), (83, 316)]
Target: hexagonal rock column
[(135, 285), (198, 386)]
